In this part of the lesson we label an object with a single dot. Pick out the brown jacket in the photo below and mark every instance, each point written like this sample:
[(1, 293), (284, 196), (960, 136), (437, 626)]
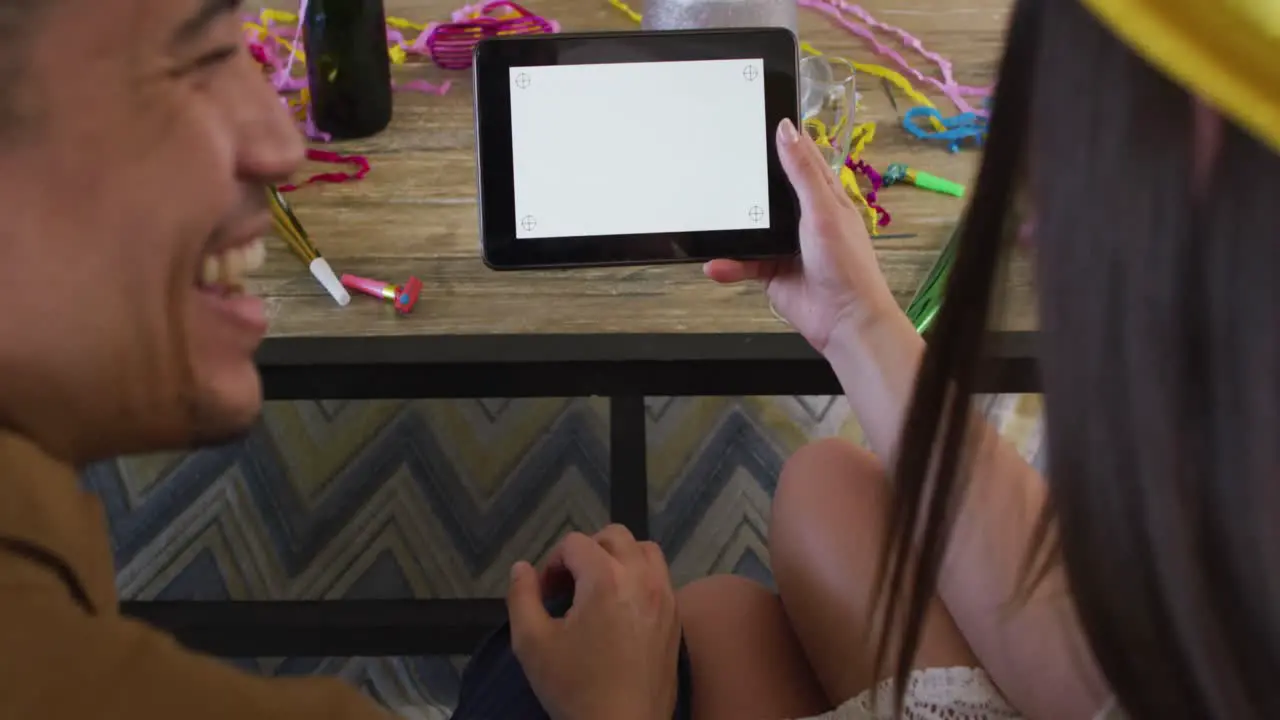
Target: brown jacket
[(65, 651)]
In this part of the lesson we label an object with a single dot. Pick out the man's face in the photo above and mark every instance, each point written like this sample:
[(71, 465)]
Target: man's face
[(128, 209)]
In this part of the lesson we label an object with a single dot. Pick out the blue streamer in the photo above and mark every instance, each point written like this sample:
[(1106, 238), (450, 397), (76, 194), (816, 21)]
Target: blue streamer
[(958, 128)]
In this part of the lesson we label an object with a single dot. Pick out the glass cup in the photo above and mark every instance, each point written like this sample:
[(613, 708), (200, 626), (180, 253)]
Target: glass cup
[(828, 98), (697, 14)]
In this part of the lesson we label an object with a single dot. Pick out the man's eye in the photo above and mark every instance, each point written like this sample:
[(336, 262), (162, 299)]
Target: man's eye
[(215, 58)]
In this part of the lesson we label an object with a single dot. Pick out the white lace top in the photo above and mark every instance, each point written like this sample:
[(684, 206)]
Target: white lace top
[(958, 693)]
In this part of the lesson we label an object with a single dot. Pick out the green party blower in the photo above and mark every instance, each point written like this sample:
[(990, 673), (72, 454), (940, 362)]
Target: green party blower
[(898, 172)]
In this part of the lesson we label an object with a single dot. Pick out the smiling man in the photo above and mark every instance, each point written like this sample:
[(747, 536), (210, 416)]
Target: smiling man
[(135, 140)]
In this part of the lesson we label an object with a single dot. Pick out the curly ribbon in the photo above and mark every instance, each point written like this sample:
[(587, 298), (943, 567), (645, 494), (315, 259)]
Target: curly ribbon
[(450, 45), (877, 216), (360, 162), (864, 25), (863, 134), (956, 129), (877, 182)]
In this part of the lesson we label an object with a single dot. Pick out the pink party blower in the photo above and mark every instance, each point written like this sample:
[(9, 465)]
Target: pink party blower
[(402, 297)]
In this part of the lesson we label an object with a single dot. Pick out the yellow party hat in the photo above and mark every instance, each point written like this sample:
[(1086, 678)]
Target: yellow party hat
[(1224, 51)]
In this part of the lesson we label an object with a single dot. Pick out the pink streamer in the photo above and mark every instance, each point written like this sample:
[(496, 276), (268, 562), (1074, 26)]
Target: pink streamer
[(449, 45), (873, 196), (956, 93), (423, 86), (360, 162), (297, 34)]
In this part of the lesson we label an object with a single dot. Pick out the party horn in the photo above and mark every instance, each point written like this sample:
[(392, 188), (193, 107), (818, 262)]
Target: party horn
[(402, 297), (898, 172), (295, 236)]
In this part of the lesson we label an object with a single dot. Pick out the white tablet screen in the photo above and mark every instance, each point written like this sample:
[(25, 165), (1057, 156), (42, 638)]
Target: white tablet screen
[(631, 148)]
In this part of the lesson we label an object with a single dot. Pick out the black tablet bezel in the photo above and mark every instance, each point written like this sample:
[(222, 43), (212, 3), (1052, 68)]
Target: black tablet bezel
[(491, 75)]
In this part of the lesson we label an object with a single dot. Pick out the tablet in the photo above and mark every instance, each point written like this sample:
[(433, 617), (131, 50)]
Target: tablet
[(634, 148)]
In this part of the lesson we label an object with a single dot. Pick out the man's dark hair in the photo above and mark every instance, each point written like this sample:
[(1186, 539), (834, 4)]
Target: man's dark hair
[(16, 19)]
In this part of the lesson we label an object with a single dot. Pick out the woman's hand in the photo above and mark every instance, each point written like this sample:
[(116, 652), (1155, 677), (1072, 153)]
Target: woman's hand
[(835, 281), (614, 653)]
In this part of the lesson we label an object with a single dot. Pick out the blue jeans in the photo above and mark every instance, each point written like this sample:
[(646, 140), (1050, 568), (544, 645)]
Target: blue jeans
[(494, 686)]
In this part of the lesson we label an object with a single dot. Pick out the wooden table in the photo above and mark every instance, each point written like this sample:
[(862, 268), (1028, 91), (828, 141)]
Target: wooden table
[(630, 331), (626, 333)]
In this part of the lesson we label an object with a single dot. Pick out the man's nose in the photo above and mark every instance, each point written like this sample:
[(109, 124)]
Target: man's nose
[(271, 147)]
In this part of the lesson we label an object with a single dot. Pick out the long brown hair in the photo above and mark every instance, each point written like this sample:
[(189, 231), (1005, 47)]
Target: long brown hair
[(1160, 358)]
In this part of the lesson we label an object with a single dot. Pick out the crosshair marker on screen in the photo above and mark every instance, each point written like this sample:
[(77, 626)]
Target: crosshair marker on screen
[(750, 73), (522, 81)]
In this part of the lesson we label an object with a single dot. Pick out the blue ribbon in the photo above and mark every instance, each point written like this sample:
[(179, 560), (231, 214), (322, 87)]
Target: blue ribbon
[(957, 128)]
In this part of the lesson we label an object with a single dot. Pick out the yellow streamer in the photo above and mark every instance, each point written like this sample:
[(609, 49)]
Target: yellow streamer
[(626, 9), (850, 182), (397, 53), (403, 24), (278, 16), (299, 104), (902, 84), (262, 33), (863, 134)]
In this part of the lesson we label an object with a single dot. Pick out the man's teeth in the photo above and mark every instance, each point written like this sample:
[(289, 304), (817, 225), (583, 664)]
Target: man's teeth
[(228, 267)]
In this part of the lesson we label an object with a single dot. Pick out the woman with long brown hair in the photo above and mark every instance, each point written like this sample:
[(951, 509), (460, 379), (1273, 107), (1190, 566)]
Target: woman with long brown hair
[(1149, 134), (1143, 137), (940, 577)]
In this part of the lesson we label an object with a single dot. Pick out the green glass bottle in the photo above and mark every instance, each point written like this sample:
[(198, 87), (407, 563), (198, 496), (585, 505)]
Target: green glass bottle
[(348, 67), (923, 308)]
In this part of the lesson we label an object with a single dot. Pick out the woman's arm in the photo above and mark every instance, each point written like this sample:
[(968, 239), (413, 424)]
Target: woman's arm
[(1034, 652)]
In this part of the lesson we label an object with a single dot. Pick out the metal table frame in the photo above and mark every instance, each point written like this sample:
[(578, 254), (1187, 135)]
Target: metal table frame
[(626, 368)]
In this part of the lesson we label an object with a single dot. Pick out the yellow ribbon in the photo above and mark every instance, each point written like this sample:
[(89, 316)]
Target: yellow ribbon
[(626, 10), (397, 53), (863, 134)]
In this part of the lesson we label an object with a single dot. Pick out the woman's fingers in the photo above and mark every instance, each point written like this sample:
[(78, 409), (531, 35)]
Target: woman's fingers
[(734, 271), (807, 170)]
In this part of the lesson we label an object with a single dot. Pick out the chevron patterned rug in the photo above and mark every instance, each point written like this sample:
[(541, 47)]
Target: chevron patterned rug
[(329, 500)]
